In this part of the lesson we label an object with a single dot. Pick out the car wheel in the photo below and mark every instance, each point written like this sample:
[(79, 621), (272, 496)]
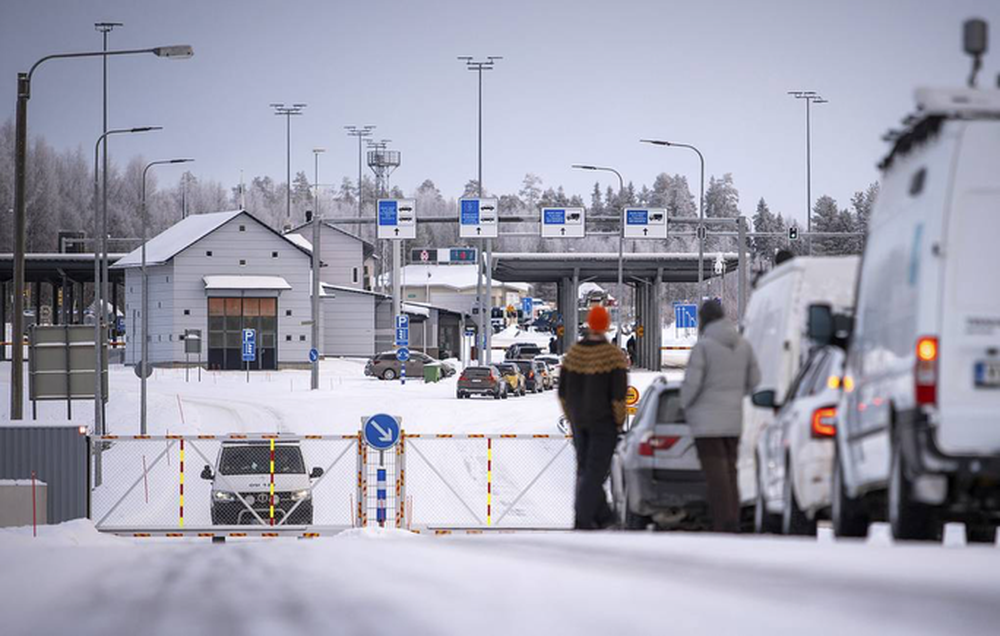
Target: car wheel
[(794, 520), (628, 519), (496, 396), (764, 522), (503, 396), (909, 519), (389, 374), (981, 533), (848, 515)]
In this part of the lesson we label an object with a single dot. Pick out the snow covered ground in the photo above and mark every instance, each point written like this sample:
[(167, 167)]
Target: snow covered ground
[(70, 580)]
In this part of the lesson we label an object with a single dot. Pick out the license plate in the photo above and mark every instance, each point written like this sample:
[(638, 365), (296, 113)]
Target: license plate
[(988, 374), (477, 381)]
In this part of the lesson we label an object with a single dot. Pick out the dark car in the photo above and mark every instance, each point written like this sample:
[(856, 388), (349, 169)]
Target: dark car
[(385, 366), (484, 380), (655, 473), (522, 351), (534, 374)]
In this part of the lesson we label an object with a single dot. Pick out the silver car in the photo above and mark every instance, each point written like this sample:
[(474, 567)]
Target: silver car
[(655, 473)]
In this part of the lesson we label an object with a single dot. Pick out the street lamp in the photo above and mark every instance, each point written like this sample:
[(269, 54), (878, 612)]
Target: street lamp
[(20, 153), (288, 111), (809, 97), (360, 133), (144, 361), (100, 310), (701, 209), (621, 243), (316, 264), (486, 322)]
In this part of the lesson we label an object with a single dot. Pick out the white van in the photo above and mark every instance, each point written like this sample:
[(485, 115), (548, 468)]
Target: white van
[(918, 441), (775, 326)]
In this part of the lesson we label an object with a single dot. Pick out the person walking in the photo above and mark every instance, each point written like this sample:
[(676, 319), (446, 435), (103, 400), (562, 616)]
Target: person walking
[(722, 370), (592, 385)]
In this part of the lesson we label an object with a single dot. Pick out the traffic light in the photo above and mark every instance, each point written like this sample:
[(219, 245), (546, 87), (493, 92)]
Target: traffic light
[(793, 233)]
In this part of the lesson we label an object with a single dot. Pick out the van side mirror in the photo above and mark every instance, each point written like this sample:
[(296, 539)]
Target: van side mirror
[(843, 327), (316, 473), (820, 327), (765, 399), (206, 473)]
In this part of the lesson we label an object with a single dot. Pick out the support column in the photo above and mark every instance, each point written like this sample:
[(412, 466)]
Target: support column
[(658, 329), (640, 320), (55, 304), (3, 319), (38, 303), (573, 295), (744, 275)]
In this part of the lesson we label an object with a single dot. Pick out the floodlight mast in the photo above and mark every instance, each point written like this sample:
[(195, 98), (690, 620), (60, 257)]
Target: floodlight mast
[(288, 112), (809, 97)]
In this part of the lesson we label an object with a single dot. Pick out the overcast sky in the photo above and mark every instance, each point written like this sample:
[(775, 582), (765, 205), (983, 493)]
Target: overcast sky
[(580, 81)]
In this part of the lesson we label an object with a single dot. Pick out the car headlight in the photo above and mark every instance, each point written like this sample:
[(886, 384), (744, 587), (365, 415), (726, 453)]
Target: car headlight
[(221, 495), (298, 495)]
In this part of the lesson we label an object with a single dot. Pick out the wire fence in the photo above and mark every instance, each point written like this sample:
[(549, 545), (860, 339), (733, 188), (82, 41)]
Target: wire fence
[(177, 485)]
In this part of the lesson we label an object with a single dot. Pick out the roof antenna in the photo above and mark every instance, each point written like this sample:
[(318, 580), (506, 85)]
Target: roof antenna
[(975, 40)]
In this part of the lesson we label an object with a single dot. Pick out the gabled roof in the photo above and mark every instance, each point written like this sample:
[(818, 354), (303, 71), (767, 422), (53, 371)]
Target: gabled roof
[(367, 248), (182, 235)]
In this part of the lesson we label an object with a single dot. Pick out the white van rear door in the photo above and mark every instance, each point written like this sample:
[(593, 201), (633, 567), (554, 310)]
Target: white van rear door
[(969, 362)]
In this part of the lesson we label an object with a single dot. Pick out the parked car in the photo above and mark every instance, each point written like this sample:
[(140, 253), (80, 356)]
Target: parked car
[(533, 374), (241, 483), (918, 441), (548, 379), (481, 380), (796, 449), (655, 473), (522, 351), (554, 363), (516, 384), (385, 366), (776, 329)]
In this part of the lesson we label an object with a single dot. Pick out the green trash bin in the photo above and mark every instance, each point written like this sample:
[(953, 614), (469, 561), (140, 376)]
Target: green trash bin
[(432, 372)]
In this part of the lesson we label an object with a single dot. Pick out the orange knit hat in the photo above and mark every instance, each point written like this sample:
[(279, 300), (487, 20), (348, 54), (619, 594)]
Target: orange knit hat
[(598, 320)]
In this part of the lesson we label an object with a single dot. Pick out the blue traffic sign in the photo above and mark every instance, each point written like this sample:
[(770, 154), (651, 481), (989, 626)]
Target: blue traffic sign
[(313, 355), (381, 431), (527, 304), (249, 345), (470, 331), (403, 354), (402, 337), (470, 211), (554, 216), (387, 212), (402, 321), (637, 217), (686, 316)]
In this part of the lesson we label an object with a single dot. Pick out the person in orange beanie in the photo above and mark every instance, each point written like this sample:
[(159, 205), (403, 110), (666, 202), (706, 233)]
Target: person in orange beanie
[(592, 386)]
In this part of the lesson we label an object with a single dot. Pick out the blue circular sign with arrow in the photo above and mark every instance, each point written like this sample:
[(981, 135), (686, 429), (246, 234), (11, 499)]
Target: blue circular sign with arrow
[(381, 431), (403, 354), (313, 355)]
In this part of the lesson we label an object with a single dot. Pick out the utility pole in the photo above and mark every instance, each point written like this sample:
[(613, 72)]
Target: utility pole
[(287, 112), (485, 308), (360, 133), (317, 263), (809, 97)]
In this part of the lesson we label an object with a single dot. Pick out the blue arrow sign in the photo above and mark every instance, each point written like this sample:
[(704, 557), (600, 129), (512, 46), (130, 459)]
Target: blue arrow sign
[(686, 316), (403, 354), (526, 306), (381, 431), (313, 355)]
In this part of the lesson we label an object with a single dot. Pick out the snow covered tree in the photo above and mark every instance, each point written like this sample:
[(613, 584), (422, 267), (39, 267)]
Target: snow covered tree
[(531, 191)]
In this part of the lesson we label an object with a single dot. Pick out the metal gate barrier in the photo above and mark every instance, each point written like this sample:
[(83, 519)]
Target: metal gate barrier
[(309, 485)]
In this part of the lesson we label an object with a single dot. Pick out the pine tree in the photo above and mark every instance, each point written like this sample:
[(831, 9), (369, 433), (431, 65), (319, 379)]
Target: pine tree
[(596, 205), (827, 217), (531, 190)]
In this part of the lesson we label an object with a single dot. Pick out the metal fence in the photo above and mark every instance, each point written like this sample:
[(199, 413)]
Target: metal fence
[(237, 485)]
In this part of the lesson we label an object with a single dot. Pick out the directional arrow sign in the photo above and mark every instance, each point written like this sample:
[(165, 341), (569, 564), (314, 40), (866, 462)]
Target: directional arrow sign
[(563, 222), (381, 431), (644, 223), (397, 219), (478, 218)]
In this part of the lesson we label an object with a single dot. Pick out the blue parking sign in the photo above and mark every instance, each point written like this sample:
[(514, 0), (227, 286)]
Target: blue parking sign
[(249, 345)]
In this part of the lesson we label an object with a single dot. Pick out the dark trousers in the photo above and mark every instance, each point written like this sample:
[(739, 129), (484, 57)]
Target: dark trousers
[(594, 450), (718, 459)]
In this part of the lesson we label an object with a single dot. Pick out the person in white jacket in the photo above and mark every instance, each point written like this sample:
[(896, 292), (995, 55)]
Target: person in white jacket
[(721, 371)]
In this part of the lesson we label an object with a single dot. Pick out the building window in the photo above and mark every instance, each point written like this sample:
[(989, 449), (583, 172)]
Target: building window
[(207, 253), (180, 336), (168, 279), (187, 312), (243, 228), (288, 338), (171, 337), (354, 276), (288, 312), (302, 338), (159, 305), (129, 291), (243, 262), (273, 255)]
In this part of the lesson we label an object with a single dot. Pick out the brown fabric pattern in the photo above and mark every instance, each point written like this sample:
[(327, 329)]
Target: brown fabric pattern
[(592, 386)]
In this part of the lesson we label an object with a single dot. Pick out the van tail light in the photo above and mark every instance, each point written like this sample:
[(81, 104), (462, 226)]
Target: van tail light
[(926, 372), (531, 374), (824, 422), (656, 442)]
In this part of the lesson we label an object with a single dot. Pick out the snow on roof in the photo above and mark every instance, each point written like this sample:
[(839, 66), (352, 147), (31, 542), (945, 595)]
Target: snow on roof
[(416, 310), (454, 276), (176, 238), (246, 282), (301, 241), (350, 290)]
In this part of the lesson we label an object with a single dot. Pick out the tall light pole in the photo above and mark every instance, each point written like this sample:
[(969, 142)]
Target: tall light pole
[(100, 223), (287, 112), (144, 361), (701, 210), (20, 167), (809, 97), (621, 243), (316, 264), (360, 133), (486, 321)]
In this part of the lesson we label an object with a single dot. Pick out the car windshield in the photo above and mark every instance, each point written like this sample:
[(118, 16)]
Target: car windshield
[(523, 365), (507, 369), (255, 459)]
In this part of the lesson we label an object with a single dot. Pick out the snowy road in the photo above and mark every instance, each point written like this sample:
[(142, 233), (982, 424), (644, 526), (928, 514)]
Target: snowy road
[(71, 581)]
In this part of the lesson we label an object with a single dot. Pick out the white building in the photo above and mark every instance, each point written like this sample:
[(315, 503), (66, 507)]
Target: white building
[(454, 287)]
